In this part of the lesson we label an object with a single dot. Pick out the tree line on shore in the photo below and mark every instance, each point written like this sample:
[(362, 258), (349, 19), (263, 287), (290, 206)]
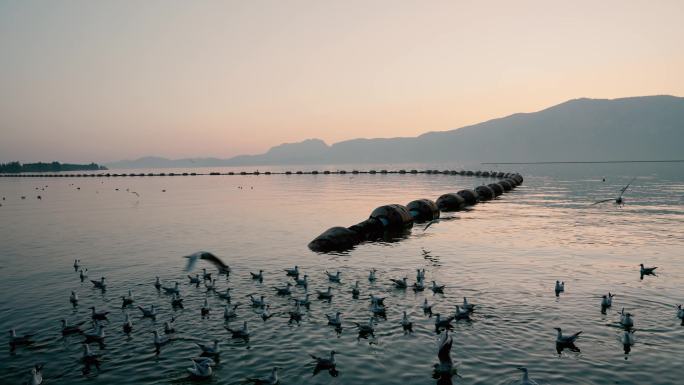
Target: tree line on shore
[(16, 167)]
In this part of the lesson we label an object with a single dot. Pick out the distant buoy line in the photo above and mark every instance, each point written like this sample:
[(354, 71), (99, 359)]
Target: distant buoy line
[(393, 219)]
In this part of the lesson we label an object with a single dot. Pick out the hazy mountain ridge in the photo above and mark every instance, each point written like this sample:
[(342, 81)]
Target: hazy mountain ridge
[(636, 128)]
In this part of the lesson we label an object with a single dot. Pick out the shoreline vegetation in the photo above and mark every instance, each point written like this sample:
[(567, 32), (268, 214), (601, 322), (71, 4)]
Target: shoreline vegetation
[(16, 167)]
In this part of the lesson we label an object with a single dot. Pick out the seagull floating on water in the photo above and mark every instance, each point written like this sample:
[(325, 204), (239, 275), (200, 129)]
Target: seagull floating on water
[(229, 312), (169, 326), (71, 329), (302, 281), (210, 350), (257, 302), (325, 363), (172, 290), (306, 302), (437, 288), (680, 312), (292, 272), (427, 308), (242, 333), (211, 286), (419, 286), (205, 275), (205, 308), (96, 335), (371, 275), (160, 341), (201, 368), (176, 300), (226, 295), (626, 319), (99, 284), (73, 298), (259, 276), (461, 314), (77, 263), (325, 294), (334, 320), (355, 290), (148, 313), (333, 277), (157, 284), (19, 340), (283, 290), (297, 313), (98, 315), (627, 337), (266, 313), (647, 270), (194, 280), (400, 283), (366, 329), (270, 380), (526, 378), (406, 323), (127, 325), (561, 339), (36, 375), (420, 274), (209, 257), (377, 308), (127, 300), (443, 323), (83, 274), (560, 287), (467, 306)]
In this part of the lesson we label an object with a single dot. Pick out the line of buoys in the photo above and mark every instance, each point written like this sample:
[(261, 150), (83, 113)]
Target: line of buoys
[(492, 174), (386, 221)]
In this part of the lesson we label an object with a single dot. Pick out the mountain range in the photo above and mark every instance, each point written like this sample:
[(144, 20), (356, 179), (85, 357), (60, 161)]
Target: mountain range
[(634, 128)]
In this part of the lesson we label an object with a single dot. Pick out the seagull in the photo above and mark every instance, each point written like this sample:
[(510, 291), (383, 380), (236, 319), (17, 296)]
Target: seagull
[(201, 368), (36, 375), (467, 306), (77, 263), (626, 319), (406, 323), (437, 288), (16, 340), (98, 315), (680, 312), (205, 275), (71, 329), (419, 286), (446, 365), (355, 290), (266, 313), (292, 272), (229, 312), (302, 281), (176, 300), (400, 283), (333, 277), (427, 308), (647, 270), (607, 300), (283, 290), (157, 284), (257, 302), (334, 320), (194, 280), (127, 300), (619, 200), (172, 290), (211, 286), (325, 363), (365, 329), (377, 308), (371, 275), (303, 301), (83, 274), (207, 256), (443, 322), (205, 308), (148, 313), (461, 314), (297, 313), (561, 339), (210, 350), (127, 325), (73, 298), (225, 295), (526, 378), (270, 380), (99, 284), (160, 341), (169, 326), (560, 287), (420, 274), (239, 333), (259, 275), (96, 335), (325, 294), (379, 300), (89, 357)]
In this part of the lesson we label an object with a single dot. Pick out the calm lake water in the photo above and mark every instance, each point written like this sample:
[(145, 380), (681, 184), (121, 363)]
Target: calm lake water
[(504, 255)]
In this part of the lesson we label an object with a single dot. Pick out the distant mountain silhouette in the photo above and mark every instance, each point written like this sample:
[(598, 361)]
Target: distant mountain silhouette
[(636, 128)]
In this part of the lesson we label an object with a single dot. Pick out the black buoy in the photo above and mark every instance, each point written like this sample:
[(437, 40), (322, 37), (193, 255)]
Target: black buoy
[(423, 210), (497, 188), (469, 196), (393, 217), (451, 202), (484, 192), (506, 185), (335, 238)]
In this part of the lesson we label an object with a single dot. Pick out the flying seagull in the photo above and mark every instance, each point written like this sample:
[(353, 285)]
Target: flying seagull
[(207, 256), (618, 200)]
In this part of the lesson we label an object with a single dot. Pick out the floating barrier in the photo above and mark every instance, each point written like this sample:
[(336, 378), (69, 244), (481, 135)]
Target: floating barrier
[(387, 220)]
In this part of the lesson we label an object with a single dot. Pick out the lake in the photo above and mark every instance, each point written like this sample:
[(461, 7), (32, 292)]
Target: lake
[(504, 255)]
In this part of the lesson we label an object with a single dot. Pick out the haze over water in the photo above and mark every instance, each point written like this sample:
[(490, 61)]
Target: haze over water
[(504, 255)]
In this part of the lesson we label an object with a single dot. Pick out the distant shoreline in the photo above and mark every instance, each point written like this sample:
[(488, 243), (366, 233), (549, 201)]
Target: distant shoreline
[(591, 162), (18, 168)]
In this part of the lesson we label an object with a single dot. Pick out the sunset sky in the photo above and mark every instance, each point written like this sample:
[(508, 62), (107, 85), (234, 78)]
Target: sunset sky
[(108, 80)]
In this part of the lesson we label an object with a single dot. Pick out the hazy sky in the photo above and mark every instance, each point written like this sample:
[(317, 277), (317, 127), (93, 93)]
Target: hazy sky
[(108, 80)]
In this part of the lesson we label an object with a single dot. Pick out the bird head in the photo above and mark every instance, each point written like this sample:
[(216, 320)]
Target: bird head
[(522, 369), (559, 329)]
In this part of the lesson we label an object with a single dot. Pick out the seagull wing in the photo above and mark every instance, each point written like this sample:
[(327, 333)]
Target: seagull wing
[(622, 190), (192, 261), (215, 260), (602, 201), (429, 224)]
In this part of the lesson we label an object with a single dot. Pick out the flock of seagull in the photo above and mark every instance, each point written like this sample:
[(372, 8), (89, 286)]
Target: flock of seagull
[(209, 353)]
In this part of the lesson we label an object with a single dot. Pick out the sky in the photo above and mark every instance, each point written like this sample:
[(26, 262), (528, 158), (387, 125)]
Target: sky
[(101, 81)]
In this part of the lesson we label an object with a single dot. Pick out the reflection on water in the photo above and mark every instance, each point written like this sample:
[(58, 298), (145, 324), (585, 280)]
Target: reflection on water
[(504, 255)]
